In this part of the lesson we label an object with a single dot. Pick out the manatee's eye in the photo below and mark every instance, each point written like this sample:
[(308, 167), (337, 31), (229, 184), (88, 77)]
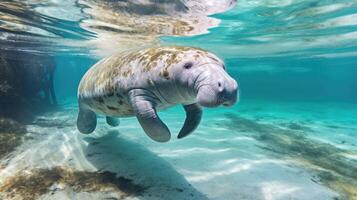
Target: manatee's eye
[(188, 65), (224, 67)]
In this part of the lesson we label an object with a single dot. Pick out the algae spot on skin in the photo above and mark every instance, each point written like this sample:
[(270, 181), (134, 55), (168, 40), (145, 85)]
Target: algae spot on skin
[(196, 56), (100, 100), (155, 55), (149, 66), (184, 48), (119, 96), (121, 102), (112, 108), (165, 74), (150, 82), (173, 58), (127, 73), (110, 94), (109, 89)]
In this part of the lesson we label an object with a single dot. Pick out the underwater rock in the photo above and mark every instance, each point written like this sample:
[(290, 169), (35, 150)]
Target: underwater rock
[(333, 169), (7, 80), (28, 185), (36, 74), (26, 85), (11, 133)]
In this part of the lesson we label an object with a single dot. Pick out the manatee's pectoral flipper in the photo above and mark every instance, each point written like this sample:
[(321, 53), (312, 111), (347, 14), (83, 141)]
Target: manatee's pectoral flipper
[(144, 108), (112, 121), (86, 121), (193, 119)]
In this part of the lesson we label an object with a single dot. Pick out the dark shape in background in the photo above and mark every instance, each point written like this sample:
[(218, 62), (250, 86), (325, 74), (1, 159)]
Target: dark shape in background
[(26, 85)]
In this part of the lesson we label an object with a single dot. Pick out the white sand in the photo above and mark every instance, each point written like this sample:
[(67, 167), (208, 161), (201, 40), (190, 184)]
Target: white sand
[(211, 164)]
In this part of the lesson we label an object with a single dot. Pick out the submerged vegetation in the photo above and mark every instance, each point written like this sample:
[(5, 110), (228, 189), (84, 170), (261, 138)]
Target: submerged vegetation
[(329, 163), (28, 185), (26, 90), (11, 135)]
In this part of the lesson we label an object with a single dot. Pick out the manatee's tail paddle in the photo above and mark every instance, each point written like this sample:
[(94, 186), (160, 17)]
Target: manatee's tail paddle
[(86, 121)]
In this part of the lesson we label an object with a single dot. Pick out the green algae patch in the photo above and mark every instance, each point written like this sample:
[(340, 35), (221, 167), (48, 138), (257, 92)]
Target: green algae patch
[(327, 161), (344, 185), (27, 185), (11, 134)]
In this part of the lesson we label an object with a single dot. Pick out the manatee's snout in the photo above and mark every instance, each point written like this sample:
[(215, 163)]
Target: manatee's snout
[(217, 88), (229, 94)]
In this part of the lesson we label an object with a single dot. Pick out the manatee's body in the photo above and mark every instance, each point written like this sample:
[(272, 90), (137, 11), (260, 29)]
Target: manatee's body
[(104, 88), (139, 83)]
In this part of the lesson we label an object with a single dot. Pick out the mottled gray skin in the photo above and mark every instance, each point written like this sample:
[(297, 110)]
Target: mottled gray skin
[(143, 82)]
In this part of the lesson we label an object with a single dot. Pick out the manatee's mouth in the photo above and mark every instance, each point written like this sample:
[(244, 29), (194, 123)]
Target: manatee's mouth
[(227, 104), (214, 87), (229, 99)]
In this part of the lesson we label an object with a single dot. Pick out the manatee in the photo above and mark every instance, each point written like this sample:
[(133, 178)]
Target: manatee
[(141, 83)]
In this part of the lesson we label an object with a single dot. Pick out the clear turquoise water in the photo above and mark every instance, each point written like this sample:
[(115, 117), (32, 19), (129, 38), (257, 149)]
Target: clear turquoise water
[(293, 135), (304, 51)]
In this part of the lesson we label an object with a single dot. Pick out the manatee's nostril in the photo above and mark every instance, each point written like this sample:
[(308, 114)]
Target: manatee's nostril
[(220, 87)]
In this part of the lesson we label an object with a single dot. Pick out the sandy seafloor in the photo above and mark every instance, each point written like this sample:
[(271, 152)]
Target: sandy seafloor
[(233, 155)]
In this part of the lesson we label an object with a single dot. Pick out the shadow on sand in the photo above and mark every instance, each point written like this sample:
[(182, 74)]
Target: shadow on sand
[(133, 161)]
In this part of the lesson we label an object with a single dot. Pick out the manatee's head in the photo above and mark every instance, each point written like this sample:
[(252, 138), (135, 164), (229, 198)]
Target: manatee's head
[(203, 75)]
